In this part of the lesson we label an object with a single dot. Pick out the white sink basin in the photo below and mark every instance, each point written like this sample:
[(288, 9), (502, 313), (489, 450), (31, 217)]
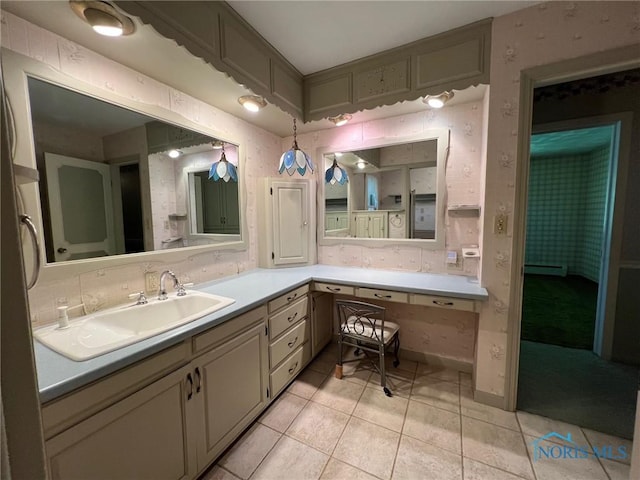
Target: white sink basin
[(102, 332)]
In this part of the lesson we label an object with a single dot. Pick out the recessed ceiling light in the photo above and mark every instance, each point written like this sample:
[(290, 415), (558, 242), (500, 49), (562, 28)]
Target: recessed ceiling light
[(217, 145), (174, 153), (361, 164), (253, 103), (341, 119), (438, 101), (103, 18)]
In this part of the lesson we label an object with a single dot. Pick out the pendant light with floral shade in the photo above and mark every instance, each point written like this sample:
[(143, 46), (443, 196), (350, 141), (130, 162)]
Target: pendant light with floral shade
[(295, 159), (223, 169), (336, 174)]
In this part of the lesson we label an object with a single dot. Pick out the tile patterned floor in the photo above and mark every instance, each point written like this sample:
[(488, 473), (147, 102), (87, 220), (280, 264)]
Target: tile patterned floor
[(324, 428)]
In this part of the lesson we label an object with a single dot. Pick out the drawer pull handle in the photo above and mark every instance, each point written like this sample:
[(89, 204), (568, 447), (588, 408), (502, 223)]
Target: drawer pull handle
[(334, 289), (377, 295), (293, 369), (190, 392), (293, 342), (292, 317), (199, 380), (443, 304), (293, 297)]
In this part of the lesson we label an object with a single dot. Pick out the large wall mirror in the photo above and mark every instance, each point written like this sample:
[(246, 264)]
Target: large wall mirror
[(115, 180), (395, 192)]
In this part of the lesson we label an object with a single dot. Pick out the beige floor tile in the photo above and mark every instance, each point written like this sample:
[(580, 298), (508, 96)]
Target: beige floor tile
[(306, 384), (357, 372), (319, 427), (283, 411), (497, 446), (465, 379), (497, 416), (436, 392), (537, 426), (368, 447), (217, 473), (479, 471), (599, 440), (375, 407), (338, 394), (247, 453), (554, 468), (616, 470), (438, 371), (322, 366), (398, 381), (337, 470), (433, 425), (292, 460), (417, 459)]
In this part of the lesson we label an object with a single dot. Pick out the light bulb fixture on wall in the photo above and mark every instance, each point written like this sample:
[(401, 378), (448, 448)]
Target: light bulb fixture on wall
[(223, 169), (103, 18), (174, 153), (340, 120), (253, 103), (336, 174), (295, 159), (438, 101)]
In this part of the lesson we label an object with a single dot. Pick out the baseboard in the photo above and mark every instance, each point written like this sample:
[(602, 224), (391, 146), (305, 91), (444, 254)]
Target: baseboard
[(490, 399), (439, 360)]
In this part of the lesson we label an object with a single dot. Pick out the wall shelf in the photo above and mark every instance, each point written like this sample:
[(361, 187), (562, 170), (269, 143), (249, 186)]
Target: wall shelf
[(464, 210)]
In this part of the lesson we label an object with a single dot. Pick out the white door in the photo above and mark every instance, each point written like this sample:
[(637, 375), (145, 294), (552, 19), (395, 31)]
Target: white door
[(291, 222), (80, 207)]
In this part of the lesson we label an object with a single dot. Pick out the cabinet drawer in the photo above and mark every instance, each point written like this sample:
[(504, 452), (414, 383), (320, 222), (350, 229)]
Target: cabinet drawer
[(332, 288), (287, 298), (286, 344), (228, 329), (386, 295), (443, 302), (289, 368), (288, 317)]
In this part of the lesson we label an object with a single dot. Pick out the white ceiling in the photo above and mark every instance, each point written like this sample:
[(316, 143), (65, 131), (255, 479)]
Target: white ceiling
[(312, 35)]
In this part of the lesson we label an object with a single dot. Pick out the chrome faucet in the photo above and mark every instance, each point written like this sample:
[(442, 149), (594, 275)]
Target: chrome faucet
[(162, 292)]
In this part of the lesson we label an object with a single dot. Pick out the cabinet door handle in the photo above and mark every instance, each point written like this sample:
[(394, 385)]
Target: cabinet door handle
[(292, 317), (293, 369), (334, 289), (190, 392), (377, 295), (293, 342), (198, 380), (443, 304), (291, 298)]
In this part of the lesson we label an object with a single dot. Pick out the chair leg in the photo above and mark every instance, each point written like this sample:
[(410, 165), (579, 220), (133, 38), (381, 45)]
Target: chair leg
[(396, 362), (383, 373), (338, 371)]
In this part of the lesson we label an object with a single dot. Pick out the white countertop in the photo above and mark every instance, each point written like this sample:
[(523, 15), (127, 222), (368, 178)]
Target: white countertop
[(58, 375)]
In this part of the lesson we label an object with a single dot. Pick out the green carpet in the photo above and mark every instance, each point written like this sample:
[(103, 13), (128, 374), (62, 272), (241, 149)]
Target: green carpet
[(559, 310)]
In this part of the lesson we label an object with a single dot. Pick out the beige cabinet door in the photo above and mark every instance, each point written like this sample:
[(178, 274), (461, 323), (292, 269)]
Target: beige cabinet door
[(291, 214), (144, 436), (321, 321), (378, 225), (361, 225), (231, 384)]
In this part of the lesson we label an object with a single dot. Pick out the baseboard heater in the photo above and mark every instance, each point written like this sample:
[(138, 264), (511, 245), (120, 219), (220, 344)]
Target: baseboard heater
[(541, 269)]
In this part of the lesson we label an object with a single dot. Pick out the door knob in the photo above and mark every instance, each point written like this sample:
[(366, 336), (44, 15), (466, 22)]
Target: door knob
[(62, 250)]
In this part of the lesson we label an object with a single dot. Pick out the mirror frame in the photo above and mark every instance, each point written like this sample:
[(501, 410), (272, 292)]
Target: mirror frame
[(442, 135), (16, 69)]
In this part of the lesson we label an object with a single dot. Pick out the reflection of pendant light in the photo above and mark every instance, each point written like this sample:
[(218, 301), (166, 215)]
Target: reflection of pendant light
[(223, 169), (295, 159), (336, 174)]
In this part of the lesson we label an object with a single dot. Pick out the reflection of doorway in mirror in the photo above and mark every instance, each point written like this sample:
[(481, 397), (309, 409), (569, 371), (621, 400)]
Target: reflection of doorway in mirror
[(372, 192)]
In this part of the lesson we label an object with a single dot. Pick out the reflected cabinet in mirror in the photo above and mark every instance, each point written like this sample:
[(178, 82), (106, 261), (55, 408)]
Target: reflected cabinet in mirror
[(394, 193), (114, 181)]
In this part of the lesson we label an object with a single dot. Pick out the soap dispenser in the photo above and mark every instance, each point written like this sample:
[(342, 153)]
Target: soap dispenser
[(63, 318)]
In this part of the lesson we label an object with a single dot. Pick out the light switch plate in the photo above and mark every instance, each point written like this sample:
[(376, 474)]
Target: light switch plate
[(500, 224), (152, 281)]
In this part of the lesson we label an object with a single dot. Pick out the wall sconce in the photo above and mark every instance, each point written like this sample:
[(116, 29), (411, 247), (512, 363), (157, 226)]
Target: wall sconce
[(438, 101), (253, 103), (223, 169), (340, 120), (295, 159), (336, 174), (103, 18)]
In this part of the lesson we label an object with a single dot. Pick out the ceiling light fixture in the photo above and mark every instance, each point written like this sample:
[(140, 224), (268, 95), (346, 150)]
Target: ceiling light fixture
[(174, 153), (223, 169), (103, 18), (340, 120), (295, 159), (438, 101), (336, 174), (361, 164), (253, 103), (217, 144)]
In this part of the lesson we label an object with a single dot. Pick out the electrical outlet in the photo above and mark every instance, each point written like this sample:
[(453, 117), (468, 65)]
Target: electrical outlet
[(500, 224), (152, 281)]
